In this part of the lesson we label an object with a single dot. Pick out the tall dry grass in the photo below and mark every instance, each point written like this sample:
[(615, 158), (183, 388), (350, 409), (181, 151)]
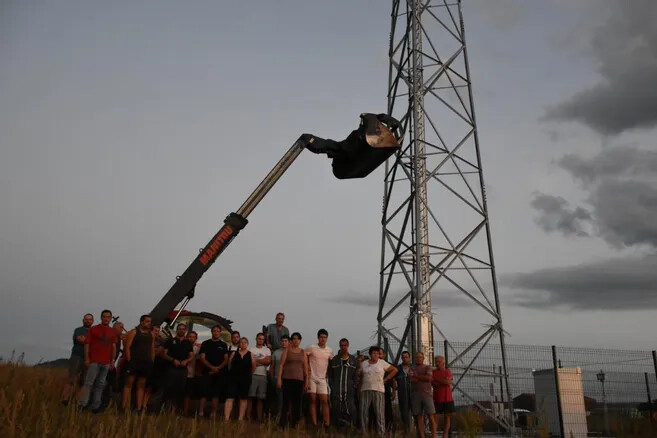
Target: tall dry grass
[(30, 407)]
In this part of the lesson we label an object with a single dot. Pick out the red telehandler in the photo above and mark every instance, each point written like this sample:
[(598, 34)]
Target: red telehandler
[(376, 139)]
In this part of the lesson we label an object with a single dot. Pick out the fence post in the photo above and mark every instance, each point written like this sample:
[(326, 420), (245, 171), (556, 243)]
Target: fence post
[(648, 392), (562, 429), (446, 354), (654, 361), (502, 389)]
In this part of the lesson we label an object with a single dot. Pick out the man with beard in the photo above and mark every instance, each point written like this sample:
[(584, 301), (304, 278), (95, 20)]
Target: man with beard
[(403, 387), (234, 341), (76, 361), (139, 352), (178, 351), (343, 372), (99, 352), (214, 356)]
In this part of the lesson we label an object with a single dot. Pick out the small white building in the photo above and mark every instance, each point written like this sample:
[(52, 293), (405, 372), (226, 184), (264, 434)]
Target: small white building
[(572, 401)]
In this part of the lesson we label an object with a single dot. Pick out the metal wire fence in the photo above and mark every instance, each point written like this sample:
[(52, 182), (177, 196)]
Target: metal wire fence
[(554, 391)]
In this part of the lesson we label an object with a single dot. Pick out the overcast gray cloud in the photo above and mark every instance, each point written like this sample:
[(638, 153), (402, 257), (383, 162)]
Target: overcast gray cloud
[(625, 48), (502, 14), (622, 283), (625, 212), (129, 133), (622, 198), (556, 214), (615, 161)]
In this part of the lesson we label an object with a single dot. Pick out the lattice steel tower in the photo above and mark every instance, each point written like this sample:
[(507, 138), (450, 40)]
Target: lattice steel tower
[(436, 240)]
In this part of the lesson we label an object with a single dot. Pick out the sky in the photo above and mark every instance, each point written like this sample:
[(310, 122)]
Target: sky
[(131, 129)]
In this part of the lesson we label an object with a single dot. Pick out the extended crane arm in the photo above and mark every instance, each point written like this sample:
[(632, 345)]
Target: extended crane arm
[(355, 157)]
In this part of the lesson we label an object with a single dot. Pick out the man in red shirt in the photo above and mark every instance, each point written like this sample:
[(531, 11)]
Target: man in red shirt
[(99, 354), (441, 380)]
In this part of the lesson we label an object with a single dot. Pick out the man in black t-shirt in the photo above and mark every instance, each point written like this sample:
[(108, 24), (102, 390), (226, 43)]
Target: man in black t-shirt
[(214, 356), (178, 352)]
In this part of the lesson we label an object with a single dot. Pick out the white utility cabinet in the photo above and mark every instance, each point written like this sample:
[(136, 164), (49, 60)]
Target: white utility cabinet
[(572, 401)]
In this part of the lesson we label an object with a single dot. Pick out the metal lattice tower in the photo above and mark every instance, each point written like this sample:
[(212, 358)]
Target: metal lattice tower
[(436, 236)]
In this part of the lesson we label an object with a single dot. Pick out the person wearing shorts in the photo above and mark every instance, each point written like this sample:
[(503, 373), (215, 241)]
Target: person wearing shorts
[(258, 390), (420, 376), (442, 393), (139, 351), (76, 361), (318, 356), (241, 366), (214, 356)]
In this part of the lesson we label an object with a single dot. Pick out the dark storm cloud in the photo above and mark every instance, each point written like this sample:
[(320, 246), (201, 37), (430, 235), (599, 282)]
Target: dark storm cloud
[(625, 48), (625, 212), (623, 284), (556, 214), (440, 299), (616, 161), (621, 202)]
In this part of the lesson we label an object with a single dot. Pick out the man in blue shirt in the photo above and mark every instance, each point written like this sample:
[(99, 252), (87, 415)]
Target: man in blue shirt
[(76, 361), (403, 386)]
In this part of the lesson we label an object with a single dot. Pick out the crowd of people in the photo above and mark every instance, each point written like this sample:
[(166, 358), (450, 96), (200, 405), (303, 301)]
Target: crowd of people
[(276, 377)]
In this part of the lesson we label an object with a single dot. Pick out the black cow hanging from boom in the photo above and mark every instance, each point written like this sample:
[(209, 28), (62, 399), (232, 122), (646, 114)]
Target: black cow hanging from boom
[(377, 137)]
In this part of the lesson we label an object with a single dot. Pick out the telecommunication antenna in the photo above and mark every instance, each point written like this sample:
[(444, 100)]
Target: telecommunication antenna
[(436, 238)]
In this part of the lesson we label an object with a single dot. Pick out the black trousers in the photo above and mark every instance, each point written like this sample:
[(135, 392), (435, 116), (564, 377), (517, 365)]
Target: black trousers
[(292, 396), (405, 410), (390, 419), (174, 385), (343, 411)]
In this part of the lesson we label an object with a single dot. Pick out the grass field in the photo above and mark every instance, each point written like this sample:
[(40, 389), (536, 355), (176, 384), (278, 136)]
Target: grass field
[(30, 407)]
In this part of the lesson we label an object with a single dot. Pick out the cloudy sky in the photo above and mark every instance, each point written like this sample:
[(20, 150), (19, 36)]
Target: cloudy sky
[(130, 129)]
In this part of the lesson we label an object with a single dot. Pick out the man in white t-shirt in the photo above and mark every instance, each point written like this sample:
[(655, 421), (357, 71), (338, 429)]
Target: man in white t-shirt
[(319, 356), (258, 389), (372, 389)]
